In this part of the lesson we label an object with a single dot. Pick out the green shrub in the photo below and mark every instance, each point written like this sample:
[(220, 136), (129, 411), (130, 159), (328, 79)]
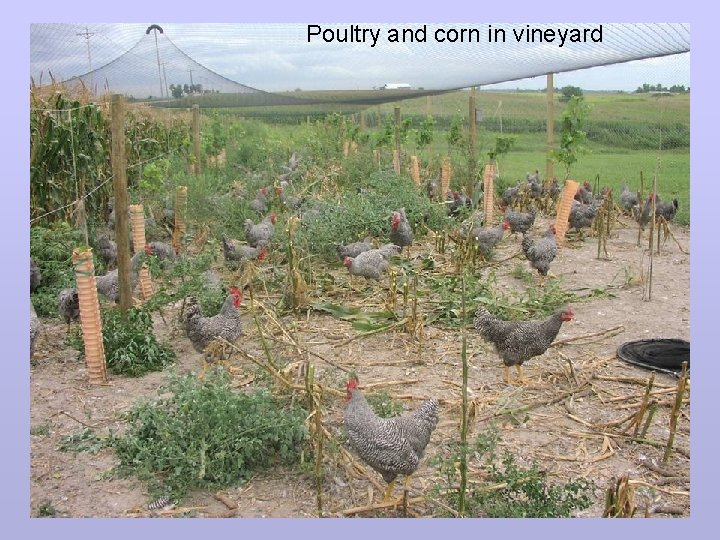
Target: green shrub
[(516, 491), (51, 248), (130, 345), (207, 435)]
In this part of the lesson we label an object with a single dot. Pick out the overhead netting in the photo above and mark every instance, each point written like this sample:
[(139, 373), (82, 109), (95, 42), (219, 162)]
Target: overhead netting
[(272, 63)]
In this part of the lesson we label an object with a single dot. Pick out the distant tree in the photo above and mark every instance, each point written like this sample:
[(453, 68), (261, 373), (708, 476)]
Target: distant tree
[(176, 91), (569, 92)]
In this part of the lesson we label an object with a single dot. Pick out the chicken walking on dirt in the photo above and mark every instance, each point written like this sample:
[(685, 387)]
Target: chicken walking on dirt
[(518, 341), (204, 331), (541, 252), (391, 446), (401, 233)]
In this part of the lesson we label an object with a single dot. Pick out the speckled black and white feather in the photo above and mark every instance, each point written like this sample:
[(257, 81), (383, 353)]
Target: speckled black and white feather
[(109, 285), (369, 264), (69, 305), (628, 199), (354, 248), (401, 234), (488, 238), (541, 252), (237, 254), (162, 251), (202, 330), (517, 341), (260, 234), (520, 222), (582, 215), (391, 446)]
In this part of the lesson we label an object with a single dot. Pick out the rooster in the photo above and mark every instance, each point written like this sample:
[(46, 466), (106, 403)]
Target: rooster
[(262, 233), (518, 341), (369, 264), (202, 331), (401, 233), (541, 252), (391, 446)]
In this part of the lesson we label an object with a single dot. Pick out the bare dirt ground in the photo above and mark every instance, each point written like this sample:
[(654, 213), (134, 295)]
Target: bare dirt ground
[(559, 419)]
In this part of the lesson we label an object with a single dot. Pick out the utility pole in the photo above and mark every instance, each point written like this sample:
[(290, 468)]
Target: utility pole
[(192, 85), (87, 35)]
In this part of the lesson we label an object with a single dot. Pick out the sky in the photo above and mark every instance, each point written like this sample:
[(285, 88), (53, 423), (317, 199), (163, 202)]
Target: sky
[(284, 57)]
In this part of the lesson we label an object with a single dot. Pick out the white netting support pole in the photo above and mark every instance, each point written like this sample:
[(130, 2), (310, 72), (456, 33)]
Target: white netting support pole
[(90, 315), (137, 220)]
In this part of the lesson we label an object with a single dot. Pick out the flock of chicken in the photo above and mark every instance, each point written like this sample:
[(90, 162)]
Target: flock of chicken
[(391, 446)]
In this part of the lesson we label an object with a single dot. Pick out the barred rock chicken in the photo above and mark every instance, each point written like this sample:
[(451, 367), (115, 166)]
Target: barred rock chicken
[(488, 238), (69, 306), (388, 251), (260, 202), (509, 196), (432, 188), (643, 218), (401, 233), (354, 249), (35, 276), (202, 331), (518, 341), (456, 201), (584, 193), (541, 252), (109, 285), (582, 215), (391, 446), (369, 264), (106, 250), (534, 184), (553, 190), (34, 328), (666, 210), (628, 199), (236, 254), (262, 233), (161, 250), (520, 222)]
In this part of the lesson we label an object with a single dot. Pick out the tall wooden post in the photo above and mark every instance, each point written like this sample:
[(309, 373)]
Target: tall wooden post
[(122, 238), (397, 140), (550, 127), (196, 137), (472, 138)]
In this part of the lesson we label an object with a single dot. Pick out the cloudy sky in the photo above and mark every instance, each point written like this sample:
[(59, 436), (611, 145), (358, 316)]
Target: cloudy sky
[(281, 57)]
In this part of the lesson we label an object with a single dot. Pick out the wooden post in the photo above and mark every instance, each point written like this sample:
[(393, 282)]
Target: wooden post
[(472, 138), (489, 193), (396, 162), (550, 127), (117, 149), (196, 137), (563, 210), (137, 219), (90, 316), (362, 121)]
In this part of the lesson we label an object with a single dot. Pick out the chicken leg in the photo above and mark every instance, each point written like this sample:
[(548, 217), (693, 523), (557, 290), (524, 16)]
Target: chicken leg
[(520, 379), (388, 491)]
